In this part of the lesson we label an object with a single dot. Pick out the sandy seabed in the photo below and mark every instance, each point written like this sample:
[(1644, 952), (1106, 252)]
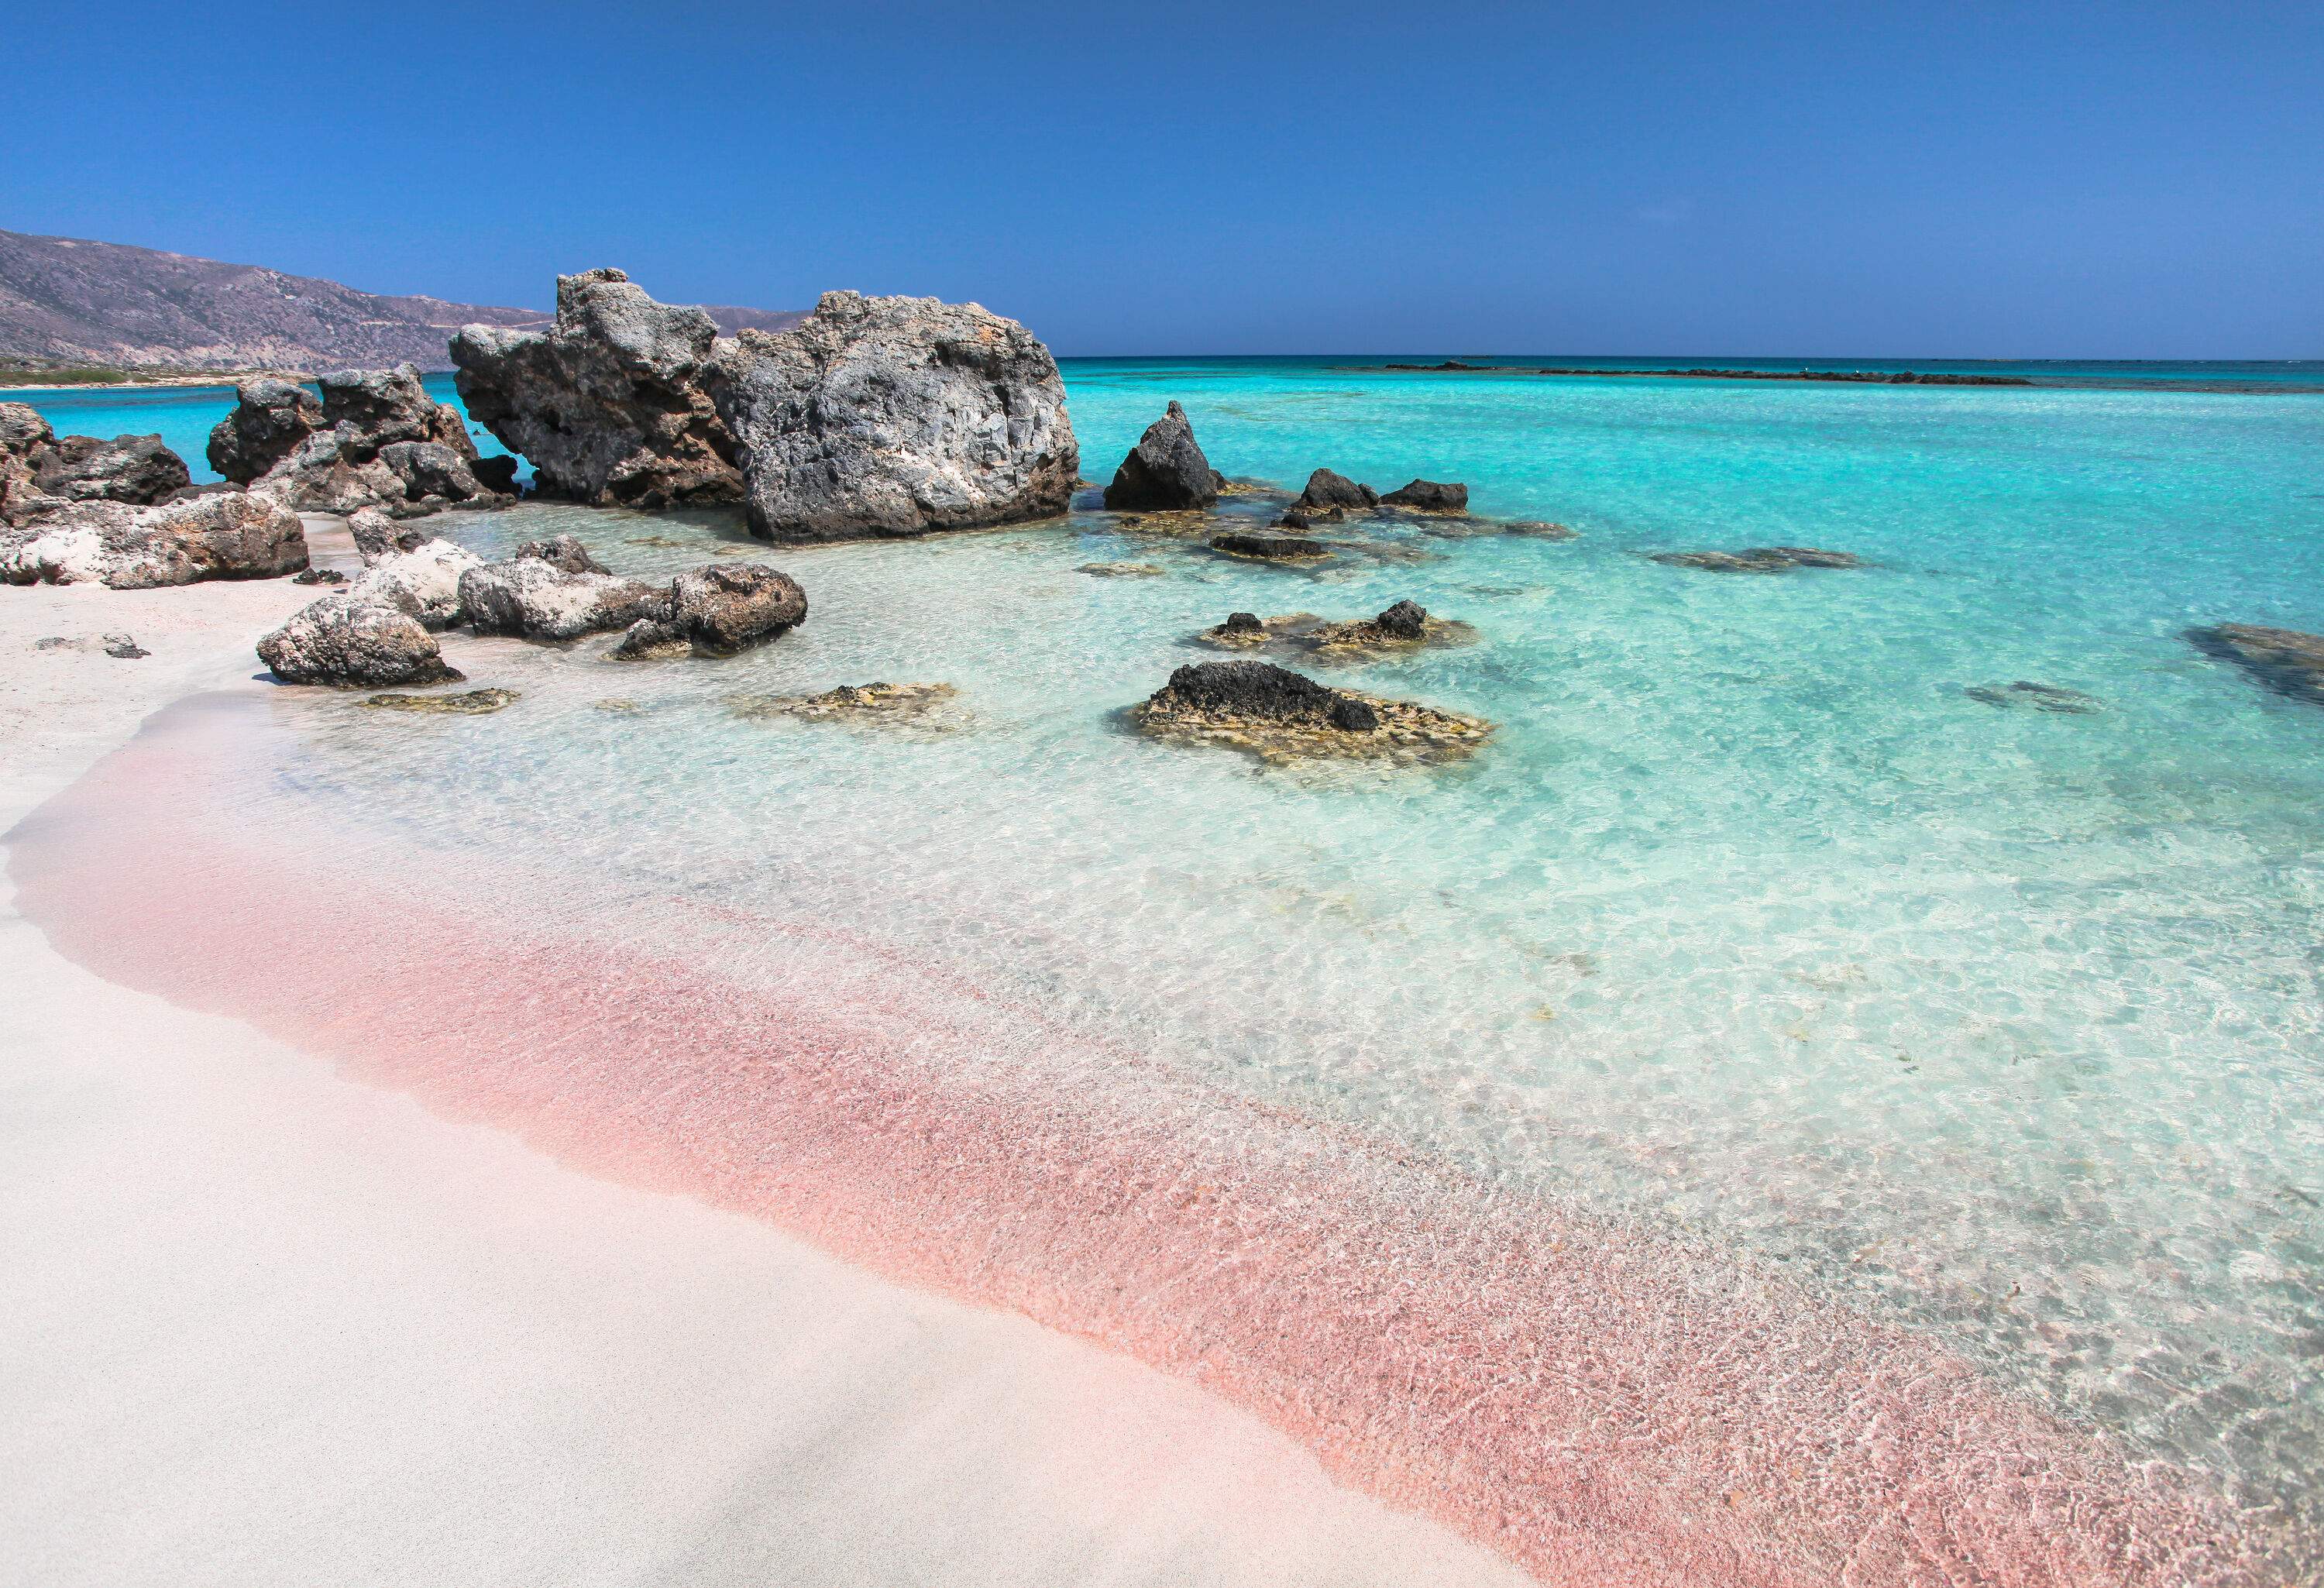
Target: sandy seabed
[(266, 1325)]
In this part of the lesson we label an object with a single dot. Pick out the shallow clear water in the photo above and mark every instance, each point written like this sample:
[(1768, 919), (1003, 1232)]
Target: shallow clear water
[(1748, 922)]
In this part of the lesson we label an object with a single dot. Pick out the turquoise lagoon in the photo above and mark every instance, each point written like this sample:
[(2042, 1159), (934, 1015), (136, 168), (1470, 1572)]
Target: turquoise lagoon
[(1751, 921)]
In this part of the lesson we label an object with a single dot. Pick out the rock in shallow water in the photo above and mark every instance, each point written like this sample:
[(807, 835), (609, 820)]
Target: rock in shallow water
[(1282, 715), (1429, 496), (1326, 490), (1166, 471), (467, 703), (347, 644), (895, 416), (554, 590), (849, 700), (1123, 570), (2026, 695), (424, 581), (1759, 560), (2285, 660), (718, 611), (1270, 548)]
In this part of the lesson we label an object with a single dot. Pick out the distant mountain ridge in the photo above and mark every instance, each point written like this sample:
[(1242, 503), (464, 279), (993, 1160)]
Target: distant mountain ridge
[(68, 299)]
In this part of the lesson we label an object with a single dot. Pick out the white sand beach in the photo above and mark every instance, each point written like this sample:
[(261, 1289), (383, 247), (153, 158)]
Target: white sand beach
[(266, 1325)]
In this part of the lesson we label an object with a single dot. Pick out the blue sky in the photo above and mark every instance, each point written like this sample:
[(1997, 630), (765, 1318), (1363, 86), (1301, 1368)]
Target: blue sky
[(2088, 180)]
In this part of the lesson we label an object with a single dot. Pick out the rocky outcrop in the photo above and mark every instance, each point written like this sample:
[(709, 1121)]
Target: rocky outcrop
[(609, 404), (2286, 661), (1429, 496), (1327, 490), (423, 581), (1270, 548), (554, 590), (719, 610), (41, 472), (1759, 560), (895, 416), (139, 470), (467, 703), (1280, 714), (271, 417), (1166, 471), (1404, 624), (217, 535), (382, 443), (349, 643)]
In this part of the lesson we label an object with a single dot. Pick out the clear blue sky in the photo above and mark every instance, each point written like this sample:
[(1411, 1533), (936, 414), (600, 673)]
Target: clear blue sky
[(2075, 181)]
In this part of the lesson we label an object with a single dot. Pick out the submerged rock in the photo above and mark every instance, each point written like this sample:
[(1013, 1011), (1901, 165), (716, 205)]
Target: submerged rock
[(1167, 470), (1123, 570), (554, 590), (1270, 548), (849, 700), (609, 404), (1759, 560), (271, 418), (1329, 491), (2024, 695), (2285, 660), (1280, 714), (895, 416), (718, 611), (349, 643), (384, 443), (224, 535), (467, 703)]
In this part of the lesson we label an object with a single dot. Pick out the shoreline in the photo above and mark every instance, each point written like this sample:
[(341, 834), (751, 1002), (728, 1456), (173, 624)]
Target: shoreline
[(223, 380), (485, 1366)]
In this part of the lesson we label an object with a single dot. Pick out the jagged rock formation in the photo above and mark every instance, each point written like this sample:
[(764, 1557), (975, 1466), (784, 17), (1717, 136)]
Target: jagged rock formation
[(350, 643), (895, 416), (1429, 496), (215, 535), (1166, 471), (609, 404), (41, 472), (375, 439), (718, 611)]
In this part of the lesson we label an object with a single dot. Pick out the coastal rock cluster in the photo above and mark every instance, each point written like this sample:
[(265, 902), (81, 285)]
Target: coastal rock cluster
[(1279, 715), (1403, 625), (872, 417), (382, 630), (42, 473), (373, 438)]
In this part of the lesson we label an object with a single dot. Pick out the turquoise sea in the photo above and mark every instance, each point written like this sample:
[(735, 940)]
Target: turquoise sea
[(1752, 922)]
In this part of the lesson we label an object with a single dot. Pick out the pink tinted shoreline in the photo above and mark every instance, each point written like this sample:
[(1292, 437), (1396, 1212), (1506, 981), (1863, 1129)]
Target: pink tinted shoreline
[(1597, 1404)]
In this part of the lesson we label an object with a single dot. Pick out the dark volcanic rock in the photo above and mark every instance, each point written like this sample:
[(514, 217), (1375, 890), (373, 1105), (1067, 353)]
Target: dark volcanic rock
[(136, 469), (1407, 620), (1259, 691), (1242, 623), (1328, 490), (2285, 660), (610, 403), (1167, 470), (719, 610), (895, 416), (1429, 496), (1270, 548), (349, 643), (271, 417), (1760, 559)]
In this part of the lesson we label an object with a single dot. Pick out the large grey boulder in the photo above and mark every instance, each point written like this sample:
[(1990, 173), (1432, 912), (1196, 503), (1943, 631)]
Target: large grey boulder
[(140, 470), (351, 643), (1166, 470), (271, 418), (608, 404), (384, 443), (718, 611), (554, 590), (894, 416), (216, 535)]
